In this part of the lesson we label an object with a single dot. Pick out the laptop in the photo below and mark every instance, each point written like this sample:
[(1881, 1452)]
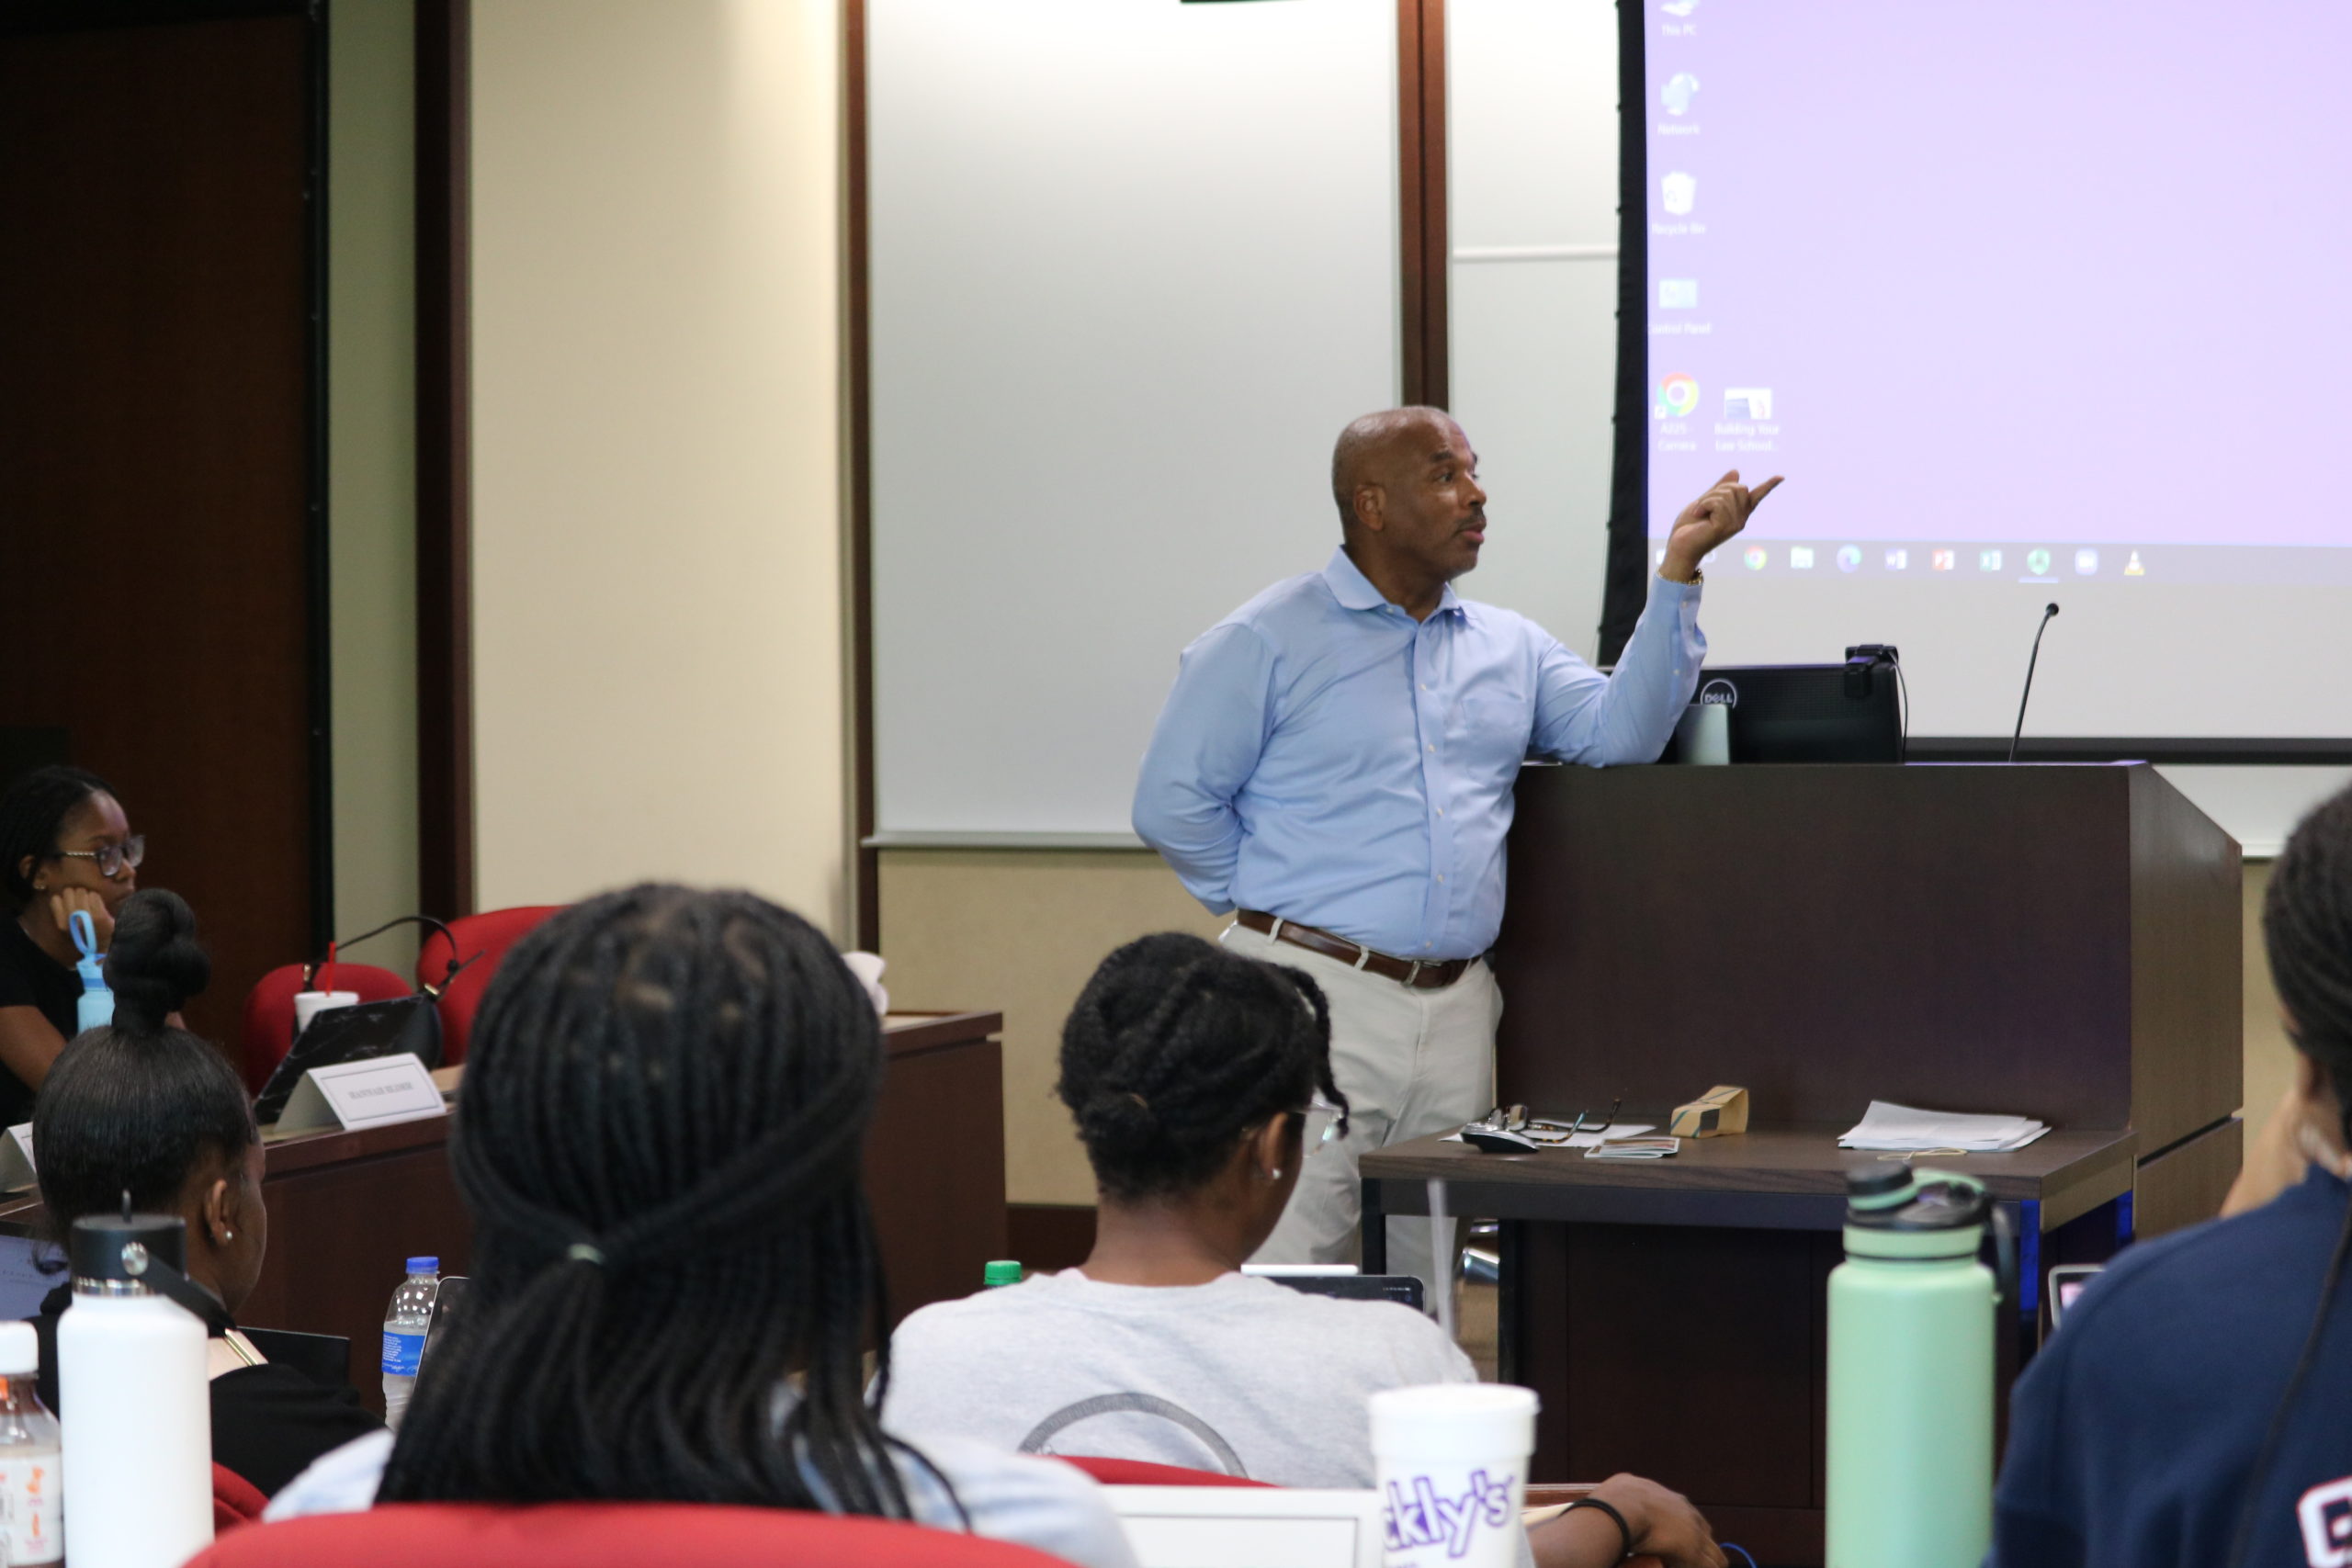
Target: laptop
[(359, 1034)]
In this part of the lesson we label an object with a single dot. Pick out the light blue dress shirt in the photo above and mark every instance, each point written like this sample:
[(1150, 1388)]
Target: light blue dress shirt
[(1327, 758)]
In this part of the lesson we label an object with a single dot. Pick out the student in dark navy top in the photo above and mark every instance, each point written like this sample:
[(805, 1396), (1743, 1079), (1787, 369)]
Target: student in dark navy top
[(2195, 1408), (64, 845), (149, 1108)]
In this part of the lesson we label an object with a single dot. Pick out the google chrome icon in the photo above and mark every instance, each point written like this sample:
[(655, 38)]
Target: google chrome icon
[(1677, 396)]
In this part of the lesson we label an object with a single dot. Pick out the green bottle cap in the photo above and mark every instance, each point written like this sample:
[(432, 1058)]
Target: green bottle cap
[(1003, 1271)]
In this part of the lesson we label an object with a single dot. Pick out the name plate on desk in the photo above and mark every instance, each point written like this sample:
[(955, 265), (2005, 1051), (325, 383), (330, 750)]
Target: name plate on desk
[(351, 1095)]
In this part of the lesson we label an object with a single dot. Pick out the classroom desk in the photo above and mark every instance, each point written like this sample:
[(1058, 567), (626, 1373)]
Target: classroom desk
[(347, 1208), (1672, 1315)]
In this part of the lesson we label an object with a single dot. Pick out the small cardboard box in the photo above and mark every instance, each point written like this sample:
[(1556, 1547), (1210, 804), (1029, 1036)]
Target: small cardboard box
[(1722, 1110)]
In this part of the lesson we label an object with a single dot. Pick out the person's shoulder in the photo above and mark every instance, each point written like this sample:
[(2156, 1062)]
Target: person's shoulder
[(1388, 1330), (981, 1305), (341, 1480), (2176, 1287), (18, 985), (2282, 1229), (1042, 1503), (1285, 607)]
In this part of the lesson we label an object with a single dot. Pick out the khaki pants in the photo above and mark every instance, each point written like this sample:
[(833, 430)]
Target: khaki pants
[(1411, 1063)]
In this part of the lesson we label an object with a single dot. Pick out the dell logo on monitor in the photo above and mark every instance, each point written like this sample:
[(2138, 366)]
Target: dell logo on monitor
[(1719, 694)]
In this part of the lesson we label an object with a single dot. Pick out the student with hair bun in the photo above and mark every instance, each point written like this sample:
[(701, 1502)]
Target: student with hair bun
[(1190, 1070), (675, 1278), (145, 1108), (2195, 1406), (65, 847)]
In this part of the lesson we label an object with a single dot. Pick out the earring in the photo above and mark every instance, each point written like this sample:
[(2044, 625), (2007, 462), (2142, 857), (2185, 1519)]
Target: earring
[(227, 1235), (1275, 1175)]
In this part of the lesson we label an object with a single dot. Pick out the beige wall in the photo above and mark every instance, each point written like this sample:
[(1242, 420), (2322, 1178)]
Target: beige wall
[(658, 654), (371, 474), (1020, 931)]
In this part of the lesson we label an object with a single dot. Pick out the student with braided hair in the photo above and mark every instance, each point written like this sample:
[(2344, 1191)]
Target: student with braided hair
[(2195, 1408), (65, 847), (675, 1279), (1190, 1070), (145, 1108)]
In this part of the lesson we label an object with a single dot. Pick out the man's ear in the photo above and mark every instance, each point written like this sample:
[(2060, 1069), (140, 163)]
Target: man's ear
[(1371, 505)]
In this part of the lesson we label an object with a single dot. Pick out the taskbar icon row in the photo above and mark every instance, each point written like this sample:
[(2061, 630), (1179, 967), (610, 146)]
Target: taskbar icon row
[(2025, 563)]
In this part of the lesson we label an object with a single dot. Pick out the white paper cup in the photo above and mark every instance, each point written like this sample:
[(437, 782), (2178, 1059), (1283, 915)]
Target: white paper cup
[(1450, 1462), (307, 1005), (1703, 735)]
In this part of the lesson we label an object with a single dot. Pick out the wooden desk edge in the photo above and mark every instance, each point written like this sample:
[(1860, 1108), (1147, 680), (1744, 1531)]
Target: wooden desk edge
[(2101, 1170), (904, 1033)]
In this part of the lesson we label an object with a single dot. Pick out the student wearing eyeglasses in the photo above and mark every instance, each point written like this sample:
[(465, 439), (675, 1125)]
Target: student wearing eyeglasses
[(1191, 1071), (65, 847)]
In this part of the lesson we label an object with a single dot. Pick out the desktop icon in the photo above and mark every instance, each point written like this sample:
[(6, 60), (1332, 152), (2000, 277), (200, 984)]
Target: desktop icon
[(1849, 558), (2038, 562), (1678, 293), (1898, 560), (1801, 557), (2086, 562), (1747, 403), (2132, 567), (1988, 561), (1756, 558), (1677, 396), (1943, 561), (1678, 193), (1678, 92)]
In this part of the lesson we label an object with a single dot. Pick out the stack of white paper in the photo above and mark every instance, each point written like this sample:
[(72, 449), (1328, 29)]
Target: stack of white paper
[(1885, 1126)]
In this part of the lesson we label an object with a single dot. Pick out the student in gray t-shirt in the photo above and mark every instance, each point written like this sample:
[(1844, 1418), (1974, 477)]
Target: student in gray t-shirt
[(1190, 1070)]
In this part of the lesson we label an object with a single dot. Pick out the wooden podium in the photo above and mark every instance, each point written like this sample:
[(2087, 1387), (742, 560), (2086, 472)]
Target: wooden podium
[(2058, 942)]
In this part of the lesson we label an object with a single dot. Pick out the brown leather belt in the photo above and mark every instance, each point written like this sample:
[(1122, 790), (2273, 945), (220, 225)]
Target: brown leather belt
[(1414, 972)]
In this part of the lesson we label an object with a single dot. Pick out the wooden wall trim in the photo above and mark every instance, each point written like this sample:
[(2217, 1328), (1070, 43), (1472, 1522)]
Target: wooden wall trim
[(865, 895), (318, 614), (444, 460), (1421, 190)]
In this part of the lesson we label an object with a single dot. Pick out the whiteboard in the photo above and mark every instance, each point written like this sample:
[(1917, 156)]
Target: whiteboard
[(1133, 263)]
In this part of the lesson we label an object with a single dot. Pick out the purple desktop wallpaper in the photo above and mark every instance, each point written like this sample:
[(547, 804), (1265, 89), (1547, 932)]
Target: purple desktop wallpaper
[(2005, 270)]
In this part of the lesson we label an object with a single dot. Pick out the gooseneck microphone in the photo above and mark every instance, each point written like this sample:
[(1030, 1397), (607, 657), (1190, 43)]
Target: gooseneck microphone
[(2047, 611)]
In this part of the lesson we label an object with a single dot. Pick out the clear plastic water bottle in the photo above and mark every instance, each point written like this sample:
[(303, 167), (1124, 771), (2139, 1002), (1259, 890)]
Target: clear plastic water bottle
[(404, 1324)]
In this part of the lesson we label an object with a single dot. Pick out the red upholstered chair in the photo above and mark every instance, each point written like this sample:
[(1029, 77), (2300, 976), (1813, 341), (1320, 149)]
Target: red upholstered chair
[(268, 1031), (489, 934), (1142, 1472), (235, 1500), (603, 1535)]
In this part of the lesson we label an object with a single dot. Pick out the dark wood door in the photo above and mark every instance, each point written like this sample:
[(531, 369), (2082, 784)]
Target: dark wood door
[(156, 418)]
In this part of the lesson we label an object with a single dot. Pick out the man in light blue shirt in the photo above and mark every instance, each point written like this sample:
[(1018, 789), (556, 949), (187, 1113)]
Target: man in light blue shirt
[(1336, 764)]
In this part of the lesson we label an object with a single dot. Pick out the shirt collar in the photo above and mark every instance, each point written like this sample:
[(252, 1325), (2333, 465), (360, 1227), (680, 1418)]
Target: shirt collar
[(1354, 591)]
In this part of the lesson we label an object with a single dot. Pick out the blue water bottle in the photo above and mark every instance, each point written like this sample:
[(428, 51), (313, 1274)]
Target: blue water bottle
[(96, 1008)]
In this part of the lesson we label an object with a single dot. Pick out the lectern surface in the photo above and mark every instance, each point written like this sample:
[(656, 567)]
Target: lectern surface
[(1779, 1178)]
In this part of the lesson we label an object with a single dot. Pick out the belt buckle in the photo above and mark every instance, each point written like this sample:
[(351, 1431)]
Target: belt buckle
[(1414, 973)]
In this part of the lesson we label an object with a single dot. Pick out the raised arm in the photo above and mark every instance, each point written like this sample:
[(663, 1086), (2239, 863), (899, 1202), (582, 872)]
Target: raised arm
[(1203, 751), (1584, 717)]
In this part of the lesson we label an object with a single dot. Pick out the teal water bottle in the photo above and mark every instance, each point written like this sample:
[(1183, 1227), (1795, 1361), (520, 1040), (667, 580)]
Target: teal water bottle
[(1911, 1324), (95, 1007)]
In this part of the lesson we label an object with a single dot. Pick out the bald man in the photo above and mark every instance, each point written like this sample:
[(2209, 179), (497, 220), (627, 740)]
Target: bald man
[(1335, 765)]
